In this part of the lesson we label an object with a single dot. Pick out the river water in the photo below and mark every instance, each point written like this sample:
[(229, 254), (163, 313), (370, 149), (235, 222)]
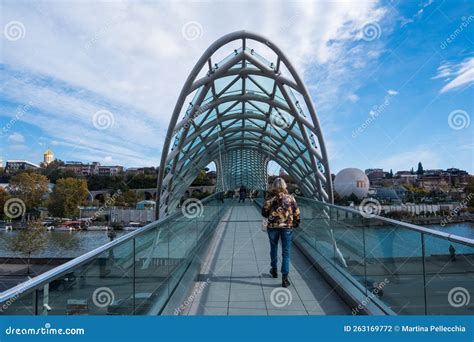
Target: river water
[(75, 243)]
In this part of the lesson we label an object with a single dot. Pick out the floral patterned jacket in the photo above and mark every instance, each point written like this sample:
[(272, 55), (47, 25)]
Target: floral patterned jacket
[(281, 211)]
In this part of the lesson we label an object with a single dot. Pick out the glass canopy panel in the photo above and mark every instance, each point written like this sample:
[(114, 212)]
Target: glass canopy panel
[(223, 82), (266, 83), (249, 125), (262, 107)]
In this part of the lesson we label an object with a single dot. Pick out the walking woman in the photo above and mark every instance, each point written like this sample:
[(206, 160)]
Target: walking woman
[(283, 216)]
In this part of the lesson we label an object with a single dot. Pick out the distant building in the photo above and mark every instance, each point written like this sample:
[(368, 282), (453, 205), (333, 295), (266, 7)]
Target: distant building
[(141, 170), (375, 174), (457, 177), (402, 173), (110, 170), (81, 169), (20, 165), (48, 157), (395, 194), (135, 171)]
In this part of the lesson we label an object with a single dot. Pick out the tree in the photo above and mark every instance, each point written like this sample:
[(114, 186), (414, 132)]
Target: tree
[(30, 240), (30, 187), (3, 198), (390, 175), (412, 171), (469, 192), (127, 199), (419, 171), (68, 194), (415, 193)]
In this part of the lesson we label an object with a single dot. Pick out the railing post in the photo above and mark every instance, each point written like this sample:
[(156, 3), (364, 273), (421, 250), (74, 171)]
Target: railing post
[(424, 270), (134, 277), (365, 258), (35, 302)]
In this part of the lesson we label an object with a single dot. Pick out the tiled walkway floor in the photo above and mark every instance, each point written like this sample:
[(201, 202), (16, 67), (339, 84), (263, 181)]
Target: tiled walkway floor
[(235, 279)]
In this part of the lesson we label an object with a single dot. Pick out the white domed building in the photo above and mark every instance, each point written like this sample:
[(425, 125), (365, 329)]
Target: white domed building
[(351, 181)]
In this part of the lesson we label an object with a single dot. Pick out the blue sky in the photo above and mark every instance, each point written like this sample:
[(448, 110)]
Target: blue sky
[(391, 99)]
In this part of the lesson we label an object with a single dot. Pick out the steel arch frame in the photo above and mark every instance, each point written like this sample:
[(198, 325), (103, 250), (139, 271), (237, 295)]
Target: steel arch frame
[(295, 149)]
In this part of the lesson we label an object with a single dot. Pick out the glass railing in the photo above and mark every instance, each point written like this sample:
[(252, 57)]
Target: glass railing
[(410, 269), (133, 275)]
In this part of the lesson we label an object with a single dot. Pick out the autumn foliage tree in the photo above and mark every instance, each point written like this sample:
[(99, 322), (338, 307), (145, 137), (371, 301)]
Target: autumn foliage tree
[(67, 196), (30, 187)]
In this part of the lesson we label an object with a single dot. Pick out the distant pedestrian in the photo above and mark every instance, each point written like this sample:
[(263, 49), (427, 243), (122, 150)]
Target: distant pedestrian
[(242, 193), (452, 252)]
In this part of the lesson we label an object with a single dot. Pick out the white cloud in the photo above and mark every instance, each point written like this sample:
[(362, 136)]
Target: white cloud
[(16, 137), (457, 75), (392, 92), (132, 59)]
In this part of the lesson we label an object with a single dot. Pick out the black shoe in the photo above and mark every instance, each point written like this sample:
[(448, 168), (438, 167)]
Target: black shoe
[(285, 282), (274, 272)]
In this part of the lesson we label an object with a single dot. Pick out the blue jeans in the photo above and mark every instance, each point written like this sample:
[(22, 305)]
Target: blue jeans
[(286, 234)]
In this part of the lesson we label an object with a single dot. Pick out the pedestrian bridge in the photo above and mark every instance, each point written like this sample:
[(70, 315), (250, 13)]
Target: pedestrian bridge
[(211, 258), (242, 106)]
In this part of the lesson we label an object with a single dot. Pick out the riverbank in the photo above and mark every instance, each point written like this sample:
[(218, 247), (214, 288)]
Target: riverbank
[(439, 220)]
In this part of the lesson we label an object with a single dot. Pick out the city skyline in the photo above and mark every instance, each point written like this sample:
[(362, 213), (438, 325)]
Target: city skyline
[(97, 91), (273, 168)]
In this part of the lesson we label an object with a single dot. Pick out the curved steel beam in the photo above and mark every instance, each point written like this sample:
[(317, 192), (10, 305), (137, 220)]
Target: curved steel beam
[(174, 164)]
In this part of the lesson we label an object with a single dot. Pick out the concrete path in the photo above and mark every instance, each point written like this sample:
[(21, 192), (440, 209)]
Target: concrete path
[(235, 279)]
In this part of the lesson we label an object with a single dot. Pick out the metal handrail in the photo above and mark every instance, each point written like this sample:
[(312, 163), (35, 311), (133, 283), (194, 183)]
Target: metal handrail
[(56, 272), (420, 229)]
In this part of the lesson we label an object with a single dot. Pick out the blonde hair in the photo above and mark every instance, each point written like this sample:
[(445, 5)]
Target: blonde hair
[(279, 185)]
